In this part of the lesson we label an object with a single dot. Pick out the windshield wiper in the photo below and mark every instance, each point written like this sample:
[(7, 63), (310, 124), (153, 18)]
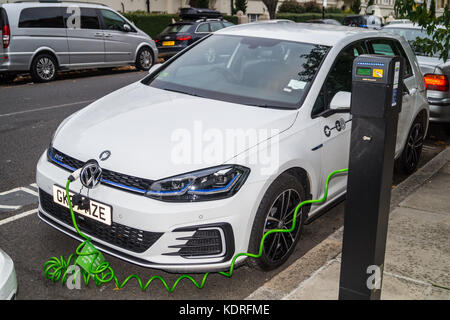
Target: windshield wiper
[(179, 91), (268, 106)]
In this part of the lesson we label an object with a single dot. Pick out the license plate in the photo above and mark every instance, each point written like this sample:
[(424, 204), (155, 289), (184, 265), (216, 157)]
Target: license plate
[(98, 211), (168, 43)]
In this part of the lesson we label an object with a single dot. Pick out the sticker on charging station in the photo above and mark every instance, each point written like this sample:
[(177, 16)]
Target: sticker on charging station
[(377, 73), (395, 84)]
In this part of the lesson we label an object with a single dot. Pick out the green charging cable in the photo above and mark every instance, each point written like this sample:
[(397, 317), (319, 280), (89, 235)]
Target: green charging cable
[(95, 267)]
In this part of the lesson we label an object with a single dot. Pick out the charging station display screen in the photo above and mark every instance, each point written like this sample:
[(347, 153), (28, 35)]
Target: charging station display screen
[(363, 71)]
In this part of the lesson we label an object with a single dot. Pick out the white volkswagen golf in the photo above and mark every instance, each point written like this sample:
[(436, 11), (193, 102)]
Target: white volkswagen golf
[(219, 145)]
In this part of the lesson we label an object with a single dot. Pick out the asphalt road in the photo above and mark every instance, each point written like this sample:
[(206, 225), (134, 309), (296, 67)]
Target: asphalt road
[(29, 114)]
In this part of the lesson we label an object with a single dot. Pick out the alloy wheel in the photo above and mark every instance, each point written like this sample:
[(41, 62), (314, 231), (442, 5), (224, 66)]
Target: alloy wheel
[(45, 68), (145, 59), (280, 216), (414, 145)]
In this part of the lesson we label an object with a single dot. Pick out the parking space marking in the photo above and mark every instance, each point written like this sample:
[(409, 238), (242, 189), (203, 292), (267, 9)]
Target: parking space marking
[(14, 199), (18, 216), (46, 108)]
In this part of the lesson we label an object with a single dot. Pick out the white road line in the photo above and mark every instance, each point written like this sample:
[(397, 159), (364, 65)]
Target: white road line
[(46, 108), (34, 193), (4, 206), (10, 191), (18, 216), (34, 185)]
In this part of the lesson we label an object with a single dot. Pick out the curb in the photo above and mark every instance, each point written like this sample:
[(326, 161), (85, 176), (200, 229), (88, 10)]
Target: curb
[(327, 251)]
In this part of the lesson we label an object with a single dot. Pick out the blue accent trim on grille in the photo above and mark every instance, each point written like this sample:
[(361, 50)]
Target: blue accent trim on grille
[(123, 186)]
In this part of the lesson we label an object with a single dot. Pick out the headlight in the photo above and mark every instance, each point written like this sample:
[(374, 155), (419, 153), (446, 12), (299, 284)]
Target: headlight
[(208, 184)]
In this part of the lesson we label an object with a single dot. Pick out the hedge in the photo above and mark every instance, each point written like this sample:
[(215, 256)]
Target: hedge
[(153, 24), (303, 17)]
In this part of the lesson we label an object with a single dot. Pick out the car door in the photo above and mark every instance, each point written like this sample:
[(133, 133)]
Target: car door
[(392, 47), (84, 36), (336, 127), (118, 42)]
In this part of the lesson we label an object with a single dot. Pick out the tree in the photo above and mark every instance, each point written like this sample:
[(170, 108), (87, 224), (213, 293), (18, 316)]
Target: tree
[(271, 7), (437, 28), (356, 6), (202, 3), (241, 5)]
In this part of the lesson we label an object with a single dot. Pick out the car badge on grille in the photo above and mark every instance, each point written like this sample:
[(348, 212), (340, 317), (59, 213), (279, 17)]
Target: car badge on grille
[(104, 155), (91, 174), (59, 157)]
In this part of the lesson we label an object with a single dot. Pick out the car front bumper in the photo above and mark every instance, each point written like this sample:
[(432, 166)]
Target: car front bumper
[(174, 223), (8, 279), (439, 110)]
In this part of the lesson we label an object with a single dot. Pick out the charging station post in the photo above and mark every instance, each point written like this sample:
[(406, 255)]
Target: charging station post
[(375, 106)]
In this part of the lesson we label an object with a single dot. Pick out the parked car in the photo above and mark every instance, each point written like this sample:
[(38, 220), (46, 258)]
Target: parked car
[(397, 21), (370, 21), (43, 38), (177, 193), (436, 73), (8, 280), (325, 21), (195, 24)]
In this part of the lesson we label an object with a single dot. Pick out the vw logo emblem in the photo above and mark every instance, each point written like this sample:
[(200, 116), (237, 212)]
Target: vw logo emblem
[(91, 174), (104, 155)]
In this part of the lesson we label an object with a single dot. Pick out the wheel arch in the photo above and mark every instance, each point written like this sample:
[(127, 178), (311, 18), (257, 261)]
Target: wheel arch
[(44, 50)]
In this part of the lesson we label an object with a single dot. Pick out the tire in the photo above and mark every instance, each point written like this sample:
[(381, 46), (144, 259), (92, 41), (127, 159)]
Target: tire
[(279, 246), (43, 68), (409, 159), (144, 59), (447, 129)]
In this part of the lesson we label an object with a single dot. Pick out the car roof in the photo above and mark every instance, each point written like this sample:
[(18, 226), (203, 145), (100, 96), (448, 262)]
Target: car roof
[(403, 26), (324, 34)]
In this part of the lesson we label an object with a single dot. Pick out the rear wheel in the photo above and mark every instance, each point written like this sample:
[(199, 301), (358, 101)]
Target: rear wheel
[(276, 211), (43, 68), (409, 159), (144, 59)]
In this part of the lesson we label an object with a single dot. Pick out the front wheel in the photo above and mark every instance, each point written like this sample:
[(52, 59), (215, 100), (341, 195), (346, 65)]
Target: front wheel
[(144, 59), (409, 159), (276, 211)]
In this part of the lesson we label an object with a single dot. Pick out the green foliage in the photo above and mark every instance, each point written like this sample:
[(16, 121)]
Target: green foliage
[(202, 4), (303, 17), (370, 3), (334, 10), (291, 6), (153, 24), (240, 5), (437, 28), (356, 6)]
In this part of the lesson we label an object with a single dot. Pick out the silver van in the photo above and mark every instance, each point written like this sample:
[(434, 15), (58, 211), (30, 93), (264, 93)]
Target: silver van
[(44, 37)]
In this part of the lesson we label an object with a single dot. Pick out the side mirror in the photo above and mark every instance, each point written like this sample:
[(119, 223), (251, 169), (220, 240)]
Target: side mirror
[(155, 67), (126, 27), (341, 102)]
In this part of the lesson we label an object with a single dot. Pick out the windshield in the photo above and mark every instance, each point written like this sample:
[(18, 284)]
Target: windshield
[(246, 70), (177, 28), (411, 36)]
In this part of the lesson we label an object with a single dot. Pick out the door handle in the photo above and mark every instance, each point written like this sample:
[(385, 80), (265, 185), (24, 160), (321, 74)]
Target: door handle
[(108, 35), (98, 34)]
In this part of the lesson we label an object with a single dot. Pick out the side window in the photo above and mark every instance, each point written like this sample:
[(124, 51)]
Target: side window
[(41, 18), (227, 24), (340, 76), (215, 26), (203, 28), (391, 48), (112, 21), (89, 19)]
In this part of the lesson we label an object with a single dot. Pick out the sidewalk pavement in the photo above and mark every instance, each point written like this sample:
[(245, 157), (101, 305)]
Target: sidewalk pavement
[(417, 261)]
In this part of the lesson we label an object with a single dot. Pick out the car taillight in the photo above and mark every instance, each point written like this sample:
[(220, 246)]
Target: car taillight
[(6, 36), (438, 82), (183, 38)]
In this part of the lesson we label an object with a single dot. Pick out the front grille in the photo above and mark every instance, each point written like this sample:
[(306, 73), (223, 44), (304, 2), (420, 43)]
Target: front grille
[(110, 178), (128, 238)]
